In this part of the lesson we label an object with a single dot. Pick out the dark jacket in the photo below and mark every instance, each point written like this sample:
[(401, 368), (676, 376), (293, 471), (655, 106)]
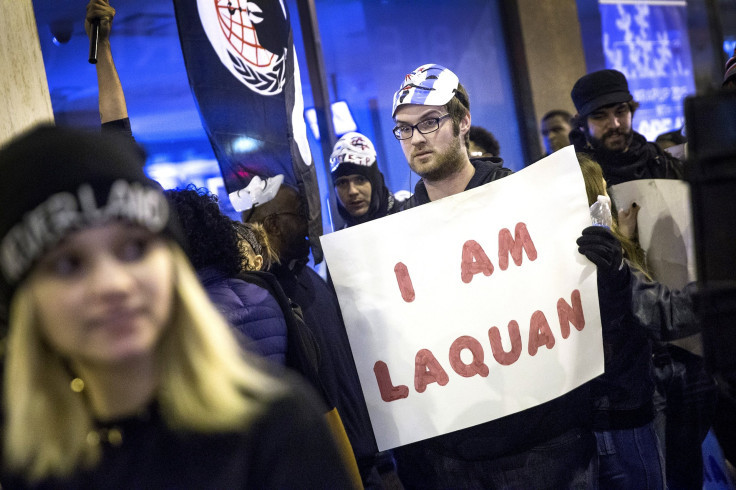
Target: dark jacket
[(486, 170), (517, 432), (663, 313), (118, 126), (633, 314), (286, 445), (251, 310), (338, 374), (643, 160)]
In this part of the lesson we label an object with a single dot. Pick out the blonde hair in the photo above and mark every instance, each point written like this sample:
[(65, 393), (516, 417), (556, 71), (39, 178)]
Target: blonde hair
[(269, 254), (205, 383), (595, 185)]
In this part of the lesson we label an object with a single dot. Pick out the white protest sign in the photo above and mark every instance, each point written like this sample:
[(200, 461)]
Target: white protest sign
[(472, 307), (665, 226)]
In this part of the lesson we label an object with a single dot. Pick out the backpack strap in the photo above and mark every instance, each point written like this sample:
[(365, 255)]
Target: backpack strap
[(302, 350)]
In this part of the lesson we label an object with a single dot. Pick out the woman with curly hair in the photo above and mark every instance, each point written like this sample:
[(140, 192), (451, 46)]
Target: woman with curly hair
[(119, 372), (216, 254)]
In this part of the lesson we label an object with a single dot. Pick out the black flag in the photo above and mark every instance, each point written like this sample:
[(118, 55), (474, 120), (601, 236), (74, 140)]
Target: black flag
[(242, 69)]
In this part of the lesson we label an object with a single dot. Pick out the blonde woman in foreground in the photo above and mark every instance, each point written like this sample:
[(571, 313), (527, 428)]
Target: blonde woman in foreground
[(119, 372)]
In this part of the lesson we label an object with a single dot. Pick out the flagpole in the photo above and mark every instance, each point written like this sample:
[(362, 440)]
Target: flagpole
[(320, 93)]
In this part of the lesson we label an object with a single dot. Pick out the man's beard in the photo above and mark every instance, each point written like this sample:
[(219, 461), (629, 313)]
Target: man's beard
[(446, 163), (297, 249), (290, 240), (601, 144)]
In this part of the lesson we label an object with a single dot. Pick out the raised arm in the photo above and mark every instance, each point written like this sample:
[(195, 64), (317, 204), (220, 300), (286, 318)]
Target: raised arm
[(111, 97)]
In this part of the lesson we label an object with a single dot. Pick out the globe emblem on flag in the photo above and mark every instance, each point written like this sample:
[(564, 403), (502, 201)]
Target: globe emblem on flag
[(251, 38)]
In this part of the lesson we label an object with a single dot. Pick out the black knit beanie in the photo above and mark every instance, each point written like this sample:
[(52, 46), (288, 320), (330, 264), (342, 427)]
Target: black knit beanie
[(54, 181)]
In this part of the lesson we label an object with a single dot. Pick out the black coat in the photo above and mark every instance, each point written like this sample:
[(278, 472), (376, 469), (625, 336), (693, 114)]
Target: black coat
[(643, 160), (287, 445), (634, 313), (486, 170)]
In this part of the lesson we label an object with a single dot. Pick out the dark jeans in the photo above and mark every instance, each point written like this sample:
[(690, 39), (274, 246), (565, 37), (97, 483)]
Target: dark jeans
[(630, 458), (565, 462), (690, 398)]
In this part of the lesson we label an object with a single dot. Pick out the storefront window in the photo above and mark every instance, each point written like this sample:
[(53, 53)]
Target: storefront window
[(647, 41), (368, 47)]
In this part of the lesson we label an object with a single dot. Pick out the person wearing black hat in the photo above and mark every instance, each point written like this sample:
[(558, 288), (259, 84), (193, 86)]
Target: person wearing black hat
[(362, 194), (119, 372), (603, 128)]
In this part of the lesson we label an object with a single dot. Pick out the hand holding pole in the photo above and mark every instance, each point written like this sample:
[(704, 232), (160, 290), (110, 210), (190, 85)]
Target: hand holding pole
[(94, 36)]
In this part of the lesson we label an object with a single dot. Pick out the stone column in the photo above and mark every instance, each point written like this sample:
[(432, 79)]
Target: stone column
[(548, 52), (24, 91)]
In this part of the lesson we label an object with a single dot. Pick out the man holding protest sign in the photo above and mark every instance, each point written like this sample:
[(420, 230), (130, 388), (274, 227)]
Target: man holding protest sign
[(546, 446)]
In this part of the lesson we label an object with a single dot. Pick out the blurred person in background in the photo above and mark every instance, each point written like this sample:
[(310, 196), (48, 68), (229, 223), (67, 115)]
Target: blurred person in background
[(482, 143), (555, 128)]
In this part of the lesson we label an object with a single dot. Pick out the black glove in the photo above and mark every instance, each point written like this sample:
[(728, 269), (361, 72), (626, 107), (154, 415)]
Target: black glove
[(602, 248)]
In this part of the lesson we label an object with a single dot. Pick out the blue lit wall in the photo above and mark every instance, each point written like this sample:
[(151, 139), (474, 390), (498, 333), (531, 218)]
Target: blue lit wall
[(368, 47), (648, 43)]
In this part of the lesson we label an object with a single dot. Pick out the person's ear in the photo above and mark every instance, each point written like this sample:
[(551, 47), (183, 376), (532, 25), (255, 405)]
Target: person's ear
[(465, 124), (258, 262), (270, 225)]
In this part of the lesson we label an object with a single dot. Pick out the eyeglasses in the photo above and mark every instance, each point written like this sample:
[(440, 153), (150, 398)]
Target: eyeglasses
[(424, 127)]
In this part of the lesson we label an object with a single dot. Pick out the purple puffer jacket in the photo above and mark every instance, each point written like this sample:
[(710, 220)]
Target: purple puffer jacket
[(251, 311)]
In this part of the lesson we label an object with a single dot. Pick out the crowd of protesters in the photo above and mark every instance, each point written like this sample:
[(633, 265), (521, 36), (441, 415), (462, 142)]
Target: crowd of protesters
[(170, 346)]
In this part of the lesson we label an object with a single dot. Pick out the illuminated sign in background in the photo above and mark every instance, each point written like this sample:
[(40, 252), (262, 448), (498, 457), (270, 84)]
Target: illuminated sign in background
[(648, 42), (342, 119)]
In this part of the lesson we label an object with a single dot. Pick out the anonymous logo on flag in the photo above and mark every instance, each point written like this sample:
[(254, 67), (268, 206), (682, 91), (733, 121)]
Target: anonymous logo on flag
[(242, 68), (251, 40)]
